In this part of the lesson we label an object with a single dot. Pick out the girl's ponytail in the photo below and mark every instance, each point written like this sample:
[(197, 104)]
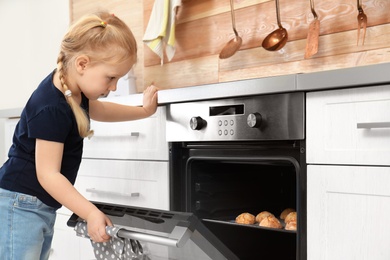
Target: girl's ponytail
[(79, 113)]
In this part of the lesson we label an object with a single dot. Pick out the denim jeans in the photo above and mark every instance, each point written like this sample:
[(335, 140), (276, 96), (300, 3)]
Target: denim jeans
[(26, 227)]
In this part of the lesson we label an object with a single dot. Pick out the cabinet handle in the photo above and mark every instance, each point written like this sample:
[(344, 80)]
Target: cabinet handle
[(133, 134), (373, 125), (112, 193)]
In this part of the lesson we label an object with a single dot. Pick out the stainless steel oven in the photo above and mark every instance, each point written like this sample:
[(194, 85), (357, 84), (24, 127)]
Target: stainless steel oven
[(241, 155)]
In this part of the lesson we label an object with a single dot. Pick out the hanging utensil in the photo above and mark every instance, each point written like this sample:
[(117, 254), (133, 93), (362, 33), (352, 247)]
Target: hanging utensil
[(362, 22), (234, 44), (278, 38), (313, 34)]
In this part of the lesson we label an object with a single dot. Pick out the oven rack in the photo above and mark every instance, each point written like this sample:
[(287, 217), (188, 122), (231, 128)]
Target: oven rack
[(232, 222)]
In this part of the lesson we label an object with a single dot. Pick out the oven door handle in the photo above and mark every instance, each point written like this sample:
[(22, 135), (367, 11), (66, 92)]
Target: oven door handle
[(178, 237)]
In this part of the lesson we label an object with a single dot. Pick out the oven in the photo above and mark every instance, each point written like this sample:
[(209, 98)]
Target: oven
[(241, 155)]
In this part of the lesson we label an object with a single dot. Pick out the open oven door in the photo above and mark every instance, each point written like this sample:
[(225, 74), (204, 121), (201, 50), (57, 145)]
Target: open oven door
[(163, 234)]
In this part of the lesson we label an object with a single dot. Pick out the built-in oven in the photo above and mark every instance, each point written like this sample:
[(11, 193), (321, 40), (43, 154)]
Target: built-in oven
[(242, 155)]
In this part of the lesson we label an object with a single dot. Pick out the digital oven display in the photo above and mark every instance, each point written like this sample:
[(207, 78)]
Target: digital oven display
[(227, 110)]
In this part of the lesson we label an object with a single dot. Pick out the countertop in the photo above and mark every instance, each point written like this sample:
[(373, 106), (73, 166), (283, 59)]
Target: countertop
[(372, 75)]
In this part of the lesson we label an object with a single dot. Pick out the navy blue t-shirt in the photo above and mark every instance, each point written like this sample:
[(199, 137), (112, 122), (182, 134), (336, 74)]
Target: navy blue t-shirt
[(46, 116)]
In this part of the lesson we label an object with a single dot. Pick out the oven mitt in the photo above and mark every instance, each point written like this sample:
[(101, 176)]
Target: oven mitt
[(116, 248)]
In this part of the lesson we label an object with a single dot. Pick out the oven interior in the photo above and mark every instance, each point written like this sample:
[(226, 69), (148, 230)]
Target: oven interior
[(220, 185), (223, 189)]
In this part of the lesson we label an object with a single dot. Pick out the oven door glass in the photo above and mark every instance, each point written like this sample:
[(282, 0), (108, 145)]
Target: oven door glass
[(221, 188)]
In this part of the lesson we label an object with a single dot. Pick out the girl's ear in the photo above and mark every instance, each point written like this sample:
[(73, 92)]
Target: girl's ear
[(81, 63)]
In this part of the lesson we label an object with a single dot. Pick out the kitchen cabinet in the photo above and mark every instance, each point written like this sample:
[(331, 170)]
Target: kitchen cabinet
[(65, 244), (137, 140), (7, 128), (348, 209), (348, 196), (349, 126), (124, 163), (131, 183)]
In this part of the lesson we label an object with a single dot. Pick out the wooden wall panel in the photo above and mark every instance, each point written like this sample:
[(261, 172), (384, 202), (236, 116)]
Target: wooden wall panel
[(330, 45), (203, 27), (192, 72)]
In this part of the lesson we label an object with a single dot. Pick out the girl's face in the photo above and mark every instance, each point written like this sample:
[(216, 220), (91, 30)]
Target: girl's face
[(98, 79)]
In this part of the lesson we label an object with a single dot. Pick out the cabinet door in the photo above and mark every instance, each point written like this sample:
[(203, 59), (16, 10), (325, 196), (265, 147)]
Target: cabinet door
[(349, 126), (132, 183), (348, 211), (8, 125), (139, 139), (86, 249), (65, 244)]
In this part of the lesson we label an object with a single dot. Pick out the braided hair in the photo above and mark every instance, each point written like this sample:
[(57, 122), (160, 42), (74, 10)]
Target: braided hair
[(103, 37)]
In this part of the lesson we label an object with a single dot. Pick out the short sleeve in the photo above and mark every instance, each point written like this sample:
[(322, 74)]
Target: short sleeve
[(51, 124)]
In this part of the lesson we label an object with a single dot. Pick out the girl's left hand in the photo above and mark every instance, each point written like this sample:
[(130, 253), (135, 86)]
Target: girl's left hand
[(150, 100), (96, 224)]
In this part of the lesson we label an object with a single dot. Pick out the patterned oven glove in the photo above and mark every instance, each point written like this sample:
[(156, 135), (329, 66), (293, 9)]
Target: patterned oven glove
[(116, 248)]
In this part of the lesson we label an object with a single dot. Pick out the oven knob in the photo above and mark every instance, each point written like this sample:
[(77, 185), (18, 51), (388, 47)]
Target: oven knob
[(197, 123), (254, 120)]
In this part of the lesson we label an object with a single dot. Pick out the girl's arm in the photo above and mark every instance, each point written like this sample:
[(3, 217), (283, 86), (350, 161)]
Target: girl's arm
[(48, 158), (112, 112)]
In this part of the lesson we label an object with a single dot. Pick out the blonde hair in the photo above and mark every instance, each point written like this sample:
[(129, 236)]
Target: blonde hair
[(103, 37)]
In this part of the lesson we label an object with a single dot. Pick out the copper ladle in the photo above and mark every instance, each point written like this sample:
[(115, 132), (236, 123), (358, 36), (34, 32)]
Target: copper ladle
[(278, 38), (234, 44)]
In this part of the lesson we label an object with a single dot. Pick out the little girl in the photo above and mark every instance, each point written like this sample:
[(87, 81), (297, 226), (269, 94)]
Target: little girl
[(47, 145)]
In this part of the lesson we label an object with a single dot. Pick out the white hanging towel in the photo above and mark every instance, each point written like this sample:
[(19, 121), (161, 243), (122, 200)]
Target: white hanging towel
[(160, 31)]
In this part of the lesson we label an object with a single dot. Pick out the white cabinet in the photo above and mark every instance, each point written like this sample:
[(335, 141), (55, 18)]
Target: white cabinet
[(7, 126), (348, 154), (348, 212), (350, 126), (65, 244), (132, 183), (140, 139)]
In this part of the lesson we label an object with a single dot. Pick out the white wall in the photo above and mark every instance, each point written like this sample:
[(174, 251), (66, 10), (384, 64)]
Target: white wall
[(30, 36)]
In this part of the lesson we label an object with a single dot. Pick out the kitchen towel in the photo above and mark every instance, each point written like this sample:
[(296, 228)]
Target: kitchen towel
[(116, 248), (160, 31)]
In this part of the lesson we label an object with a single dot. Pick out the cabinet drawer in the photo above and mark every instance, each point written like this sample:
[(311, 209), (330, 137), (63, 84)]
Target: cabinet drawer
[(132, 183), (66, 244), (138, 139), (350, 126)]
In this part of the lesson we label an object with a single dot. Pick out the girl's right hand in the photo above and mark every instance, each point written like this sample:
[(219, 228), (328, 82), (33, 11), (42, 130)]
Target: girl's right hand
[(150, 100), (96, 225)]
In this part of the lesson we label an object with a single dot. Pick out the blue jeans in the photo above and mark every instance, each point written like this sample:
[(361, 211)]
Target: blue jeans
[(26, 227)]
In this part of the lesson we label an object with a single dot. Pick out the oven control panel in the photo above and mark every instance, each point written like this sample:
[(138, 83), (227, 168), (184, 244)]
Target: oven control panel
[(265, 117)]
